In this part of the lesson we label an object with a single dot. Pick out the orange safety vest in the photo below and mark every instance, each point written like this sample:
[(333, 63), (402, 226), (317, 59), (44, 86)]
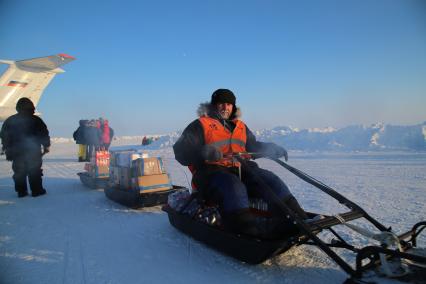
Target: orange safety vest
[(227, 142)]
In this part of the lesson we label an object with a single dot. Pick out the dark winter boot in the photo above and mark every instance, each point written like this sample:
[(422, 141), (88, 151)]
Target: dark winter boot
[(20, 184), (247, 223), (241, 221), (22, 194), (36, 182), (279, 227), (295, 206), (39, 192)]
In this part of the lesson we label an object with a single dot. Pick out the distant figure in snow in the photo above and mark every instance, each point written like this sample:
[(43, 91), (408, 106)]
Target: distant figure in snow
[(107, 133), (80, 139), (147, 141), (92, 135), (203, 147), (144, 141), (25, 140)]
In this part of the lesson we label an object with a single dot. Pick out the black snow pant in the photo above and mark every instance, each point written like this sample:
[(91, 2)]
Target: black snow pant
[(28, 165)]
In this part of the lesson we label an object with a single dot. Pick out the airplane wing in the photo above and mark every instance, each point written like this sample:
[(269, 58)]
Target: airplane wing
[(44, 63), (28, 78)]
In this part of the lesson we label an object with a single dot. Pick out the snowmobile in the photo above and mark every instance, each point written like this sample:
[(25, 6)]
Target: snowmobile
[(93, 182), (138, 199), (396, 256)]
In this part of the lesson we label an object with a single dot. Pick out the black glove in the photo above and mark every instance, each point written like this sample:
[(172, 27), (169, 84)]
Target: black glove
[(211, 153), (272, 150), (9, 155), (45, 150)]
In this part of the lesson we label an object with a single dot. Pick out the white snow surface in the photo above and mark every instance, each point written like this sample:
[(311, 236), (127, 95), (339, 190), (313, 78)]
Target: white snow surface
[(76, 235), (424, 131), (376, 137)]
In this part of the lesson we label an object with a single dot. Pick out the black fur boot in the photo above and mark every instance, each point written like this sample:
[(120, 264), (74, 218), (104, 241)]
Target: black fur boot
[(241, 221), (295, 206), (245, 222)]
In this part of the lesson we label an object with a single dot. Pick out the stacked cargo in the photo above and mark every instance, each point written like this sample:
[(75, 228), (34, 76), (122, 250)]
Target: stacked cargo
[(130, 170), (99, 164), (137, 180), (149, 175), (120, 165), (96, 172)]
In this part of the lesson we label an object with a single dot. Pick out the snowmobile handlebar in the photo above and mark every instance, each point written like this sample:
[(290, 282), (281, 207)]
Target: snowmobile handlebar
[(332, 192), (244, 155), (373, 254)]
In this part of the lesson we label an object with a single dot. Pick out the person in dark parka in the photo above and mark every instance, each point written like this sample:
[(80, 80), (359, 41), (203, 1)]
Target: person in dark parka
[(23, 136), (80, 139), (93, 136)]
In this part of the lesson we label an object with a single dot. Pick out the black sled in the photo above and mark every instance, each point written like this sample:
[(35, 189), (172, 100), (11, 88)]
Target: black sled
[(242, 247), (92, 182), (136, 199), (254, 250)]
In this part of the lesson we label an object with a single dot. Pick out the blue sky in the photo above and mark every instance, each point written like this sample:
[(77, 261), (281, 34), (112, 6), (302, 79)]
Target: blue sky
[(146, 65)]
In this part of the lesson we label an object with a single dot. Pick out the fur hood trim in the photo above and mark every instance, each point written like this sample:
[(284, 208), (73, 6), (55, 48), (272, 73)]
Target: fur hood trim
[(207, 109)]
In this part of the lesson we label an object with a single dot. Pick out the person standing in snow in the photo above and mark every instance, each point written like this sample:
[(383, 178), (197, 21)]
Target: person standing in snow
[(107, 134), (25, 140), (93, 136), (144, 141), (203, 147), (80, 139)]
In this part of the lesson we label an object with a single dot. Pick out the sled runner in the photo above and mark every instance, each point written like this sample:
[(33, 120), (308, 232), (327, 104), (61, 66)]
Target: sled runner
[(93, 182), (396, 255), (137, 199)]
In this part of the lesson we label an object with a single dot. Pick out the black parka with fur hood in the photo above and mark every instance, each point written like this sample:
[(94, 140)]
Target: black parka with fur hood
[(189, 146), (24, 133)]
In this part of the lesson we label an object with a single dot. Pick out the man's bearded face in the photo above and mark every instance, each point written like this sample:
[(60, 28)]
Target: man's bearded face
[(225, 110)]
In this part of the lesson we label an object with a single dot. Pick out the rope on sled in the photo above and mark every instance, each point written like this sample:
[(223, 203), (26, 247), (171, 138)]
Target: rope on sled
[(386, 239), (416, 251)]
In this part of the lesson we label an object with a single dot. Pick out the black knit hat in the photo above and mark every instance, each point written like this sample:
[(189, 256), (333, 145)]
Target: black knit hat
[(223, 96), (25, 104)]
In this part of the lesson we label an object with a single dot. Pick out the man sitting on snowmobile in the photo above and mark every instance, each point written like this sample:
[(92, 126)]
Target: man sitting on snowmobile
[(204, 146)]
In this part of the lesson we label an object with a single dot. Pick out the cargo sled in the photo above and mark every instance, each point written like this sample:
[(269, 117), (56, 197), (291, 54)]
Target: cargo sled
[(137, 180), (396, 256), (96, 174), (138, 199), (93, 182)]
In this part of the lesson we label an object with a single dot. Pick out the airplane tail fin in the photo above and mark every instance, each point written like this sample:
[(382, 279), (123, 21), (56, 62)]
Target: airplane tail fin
[(28, 78)]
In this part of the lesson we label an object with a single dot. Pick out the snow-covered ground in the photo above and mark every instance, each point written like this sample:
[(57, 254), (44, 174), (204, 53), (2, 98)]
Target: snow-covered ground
[(77, 235)]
